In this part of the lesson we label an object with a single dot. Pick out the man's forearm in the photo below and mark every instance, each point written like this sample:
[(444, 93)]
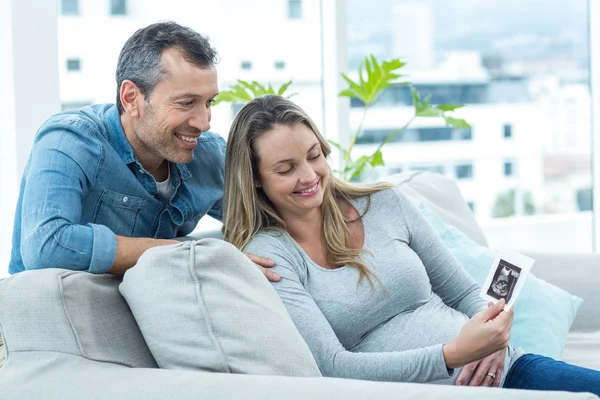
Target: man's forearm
[(129, 251)]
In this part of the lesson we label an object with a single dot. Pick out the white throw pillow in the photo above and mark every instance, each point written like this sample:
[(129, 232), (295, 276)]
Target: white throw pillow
[(204, 305)]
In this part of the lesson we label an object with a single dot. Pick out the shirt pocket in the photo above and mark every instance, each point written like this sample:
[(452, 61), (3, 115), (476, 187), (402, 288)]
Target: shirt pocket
[(120, 212)]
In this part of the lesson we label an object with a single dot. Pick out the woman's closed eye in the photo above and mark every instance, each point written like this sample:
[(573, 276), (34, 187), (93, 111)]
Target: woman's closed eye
[(286, 171)]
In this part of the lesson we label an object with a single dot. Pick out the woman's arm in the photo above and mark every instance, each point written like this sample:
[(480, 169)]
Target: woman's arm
[(418, 365), (448, 278)]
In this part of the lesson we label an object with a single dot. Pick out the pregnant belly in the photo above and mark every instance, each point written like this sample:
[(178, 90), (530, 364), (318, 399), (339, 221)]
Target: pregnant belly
[(432, 323)]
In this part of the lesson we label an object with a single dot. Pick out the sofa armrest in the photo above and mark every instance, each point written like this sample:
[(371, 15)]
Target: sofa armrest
[(578, 274)]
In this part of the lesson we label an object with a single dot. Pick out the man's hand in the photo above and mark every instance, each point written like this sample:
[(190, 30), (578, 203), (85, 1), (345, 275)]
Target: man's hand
[(486, 372), (263, 263), (130, 249)]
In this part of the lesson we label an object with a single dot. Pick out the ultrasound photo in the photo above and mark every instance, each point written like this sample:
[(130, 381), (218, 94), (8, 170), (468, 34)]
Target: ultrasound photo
[(504, 281)]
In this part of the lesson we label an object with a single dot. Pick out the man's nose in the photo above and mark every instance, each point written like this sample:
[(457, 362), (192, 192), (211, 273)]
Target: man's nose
[(201, 119)]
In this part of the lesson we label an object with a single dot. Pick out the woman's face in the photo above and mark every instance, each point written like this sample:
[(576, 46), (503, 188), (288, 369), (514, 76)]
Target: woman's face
[(293, 170)]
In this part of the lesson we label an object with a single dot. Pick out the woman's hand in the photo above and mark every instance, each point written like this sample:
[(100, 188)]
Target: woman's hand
[(486, 333), (486, 372), (263, 263)]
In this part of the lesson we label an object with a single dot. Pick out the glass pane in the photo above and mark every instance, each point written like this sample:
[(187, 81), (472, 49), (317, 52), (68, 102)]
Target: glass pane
[(295, 9), (118, 7), (73, 64), (524, 164), (70, 7)]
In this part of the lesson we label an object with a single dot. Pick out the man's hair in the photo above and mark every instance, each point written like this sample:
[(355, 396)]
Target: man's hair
[(140, 58)]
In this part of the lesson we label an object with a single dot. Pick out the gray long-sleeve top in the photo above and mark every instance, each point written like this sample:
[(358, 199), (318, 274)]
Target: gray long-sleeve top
[(392, 335)]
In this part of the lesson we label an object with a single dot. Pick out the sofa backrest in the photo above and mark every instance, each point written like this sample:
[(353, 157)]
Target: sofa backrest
[(70, 312), (442, 196)]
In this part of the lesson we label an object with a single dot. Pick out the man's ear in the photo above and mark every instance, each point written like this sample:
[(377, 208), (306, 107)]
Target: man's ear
[(130, 98)]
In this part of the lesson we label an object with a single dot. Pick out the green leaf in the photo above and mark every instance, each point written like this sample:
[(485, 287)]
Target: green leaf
[(376, 159), (373, 78), (284, 87), (449, 107), (428, 112), (356, 169), (339, 147), (244, 91), (458, 123)]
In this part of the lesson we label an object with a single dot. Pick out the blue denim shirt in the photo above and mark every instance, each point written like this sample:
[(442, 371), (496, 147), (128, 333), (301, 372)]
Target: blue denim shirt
[(83, 185)]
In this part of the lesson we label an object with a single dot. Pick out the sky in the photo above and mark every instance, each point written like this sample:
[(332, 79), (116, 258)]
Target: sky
[(512, 29)]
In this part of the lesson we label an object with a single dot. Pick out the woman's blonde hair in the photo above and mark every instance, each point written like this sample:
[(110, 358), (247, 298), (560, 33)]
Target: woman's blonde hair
[(248, 211)]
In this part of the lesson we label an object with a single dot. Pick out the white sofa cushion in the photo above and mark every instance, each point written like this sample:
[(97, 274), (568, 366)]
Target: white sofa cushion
[(442, 196), (77, 313), (204, 305)]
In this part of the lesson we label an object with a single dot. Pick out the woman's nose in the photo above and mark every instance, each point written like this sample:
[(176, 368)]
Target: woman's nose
[(307, 173)]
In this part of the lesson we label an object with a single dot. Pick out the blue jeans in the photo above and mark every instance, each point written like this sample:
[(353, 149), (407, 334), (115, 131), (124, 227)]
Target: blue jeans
[(534, 372)]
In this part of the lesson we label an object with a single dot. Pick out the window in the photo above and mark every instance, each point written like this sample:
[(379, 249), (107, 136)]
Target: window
[(411, 135), (471, 205), (70, 7), (73, 64), (464, 171), (246, 65), (279, 65), (585, 199), (436, 169), (294, 9), (507, 131), (508, 168), (118, 7)]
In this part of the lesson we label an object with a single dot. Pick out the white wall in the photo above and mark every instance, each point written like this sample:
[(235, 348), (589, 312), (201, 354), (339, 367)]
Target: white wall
[(29, 95), (258, 31)]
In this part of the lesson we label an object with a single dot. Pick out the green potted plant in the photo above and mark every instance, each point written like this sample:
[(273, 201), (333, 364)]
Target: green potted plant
[(373, 78)]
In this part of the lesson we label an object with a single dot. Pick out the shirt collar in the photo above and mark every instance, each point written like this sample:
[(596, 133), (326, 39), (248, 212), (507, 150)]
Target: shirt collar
[(121, 144)]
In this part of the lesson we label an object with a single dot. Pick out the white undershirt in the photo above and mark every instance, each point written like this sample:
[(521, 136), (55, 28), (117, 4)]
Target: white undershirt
[(165, 187)]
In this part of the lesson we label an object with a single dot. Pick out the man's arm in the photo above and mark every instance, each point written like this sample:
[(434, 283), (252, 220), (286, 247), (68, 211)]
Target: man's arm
[(62, 170), (129, 251)]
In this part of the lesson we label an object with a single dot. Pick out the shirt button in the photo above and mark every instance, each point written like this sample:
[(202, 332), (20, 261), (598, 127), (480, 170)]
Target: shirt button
[(125, 199)]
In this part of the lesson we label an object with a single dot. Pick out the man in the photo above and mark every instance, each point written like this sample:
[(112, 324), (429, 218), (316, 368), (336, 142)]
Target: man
[(107, 182)]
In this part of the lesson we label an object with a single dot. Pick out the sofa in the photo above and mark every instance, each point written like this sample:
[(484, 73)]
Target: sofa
[(74, 335)]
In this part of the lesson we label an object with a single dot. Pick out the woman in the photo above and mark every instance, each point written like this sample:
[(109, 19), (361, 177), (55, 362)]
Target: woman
[(371, 288)]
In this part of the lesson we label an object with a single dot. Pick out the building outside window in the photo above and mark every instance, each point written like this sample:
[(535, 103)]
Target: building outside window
[(585, 199), (70, 7), (507, 131), (464, 171), (294, 9), (73, 64), (508, 168), (471, 205), (118, 7)]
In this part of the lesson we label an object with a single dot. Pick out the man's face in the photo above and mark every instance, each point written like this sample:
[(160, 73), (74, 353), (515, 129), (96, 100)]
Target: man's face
[(177, 111)]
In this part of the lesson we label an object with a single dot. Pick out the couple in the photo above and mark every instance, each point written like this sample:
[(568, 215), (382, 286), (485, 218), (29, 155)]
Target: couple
[(373, 291)]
